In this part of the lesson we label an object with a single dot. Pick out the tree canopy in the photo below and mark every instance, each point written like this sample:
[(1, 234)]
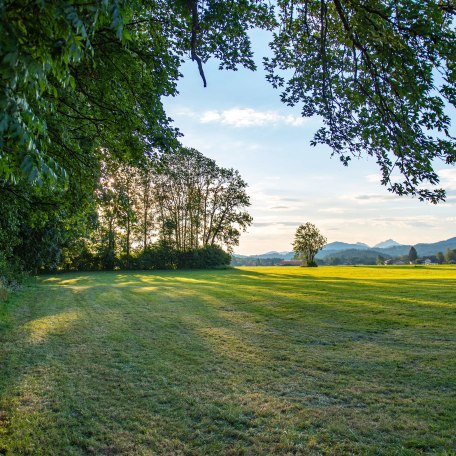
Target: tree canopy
[(90, 76), (412, 255), (380, 73), (307, 242)]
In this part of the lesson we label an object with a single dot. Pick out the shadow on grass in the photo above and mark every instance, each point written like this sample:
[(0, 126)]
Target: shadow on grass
[(199, 362)]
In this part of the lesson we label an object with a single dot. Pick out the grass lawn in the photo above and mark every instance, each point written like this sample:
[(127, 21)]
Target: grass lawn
[(267, 360)]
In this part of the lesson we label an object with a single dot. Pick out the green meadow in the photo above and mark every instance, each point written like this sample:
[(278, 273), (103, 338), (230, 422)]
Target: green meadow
[(255, 361)]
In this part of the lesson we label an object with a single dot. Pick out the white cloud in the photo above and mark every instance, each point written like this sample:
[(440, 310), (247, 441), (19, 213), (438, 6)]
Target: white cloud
[(448, 178), (374, 178), (333, 210), (248, 117)]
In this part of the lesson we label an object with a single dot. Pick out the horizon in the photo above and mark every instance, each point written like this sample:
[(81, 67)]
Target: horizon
[(353, 243)]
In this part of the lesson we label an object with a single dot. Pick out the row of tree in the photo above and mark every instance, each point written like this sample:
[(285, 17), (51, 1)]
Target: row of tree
[(81, 89), (449, 257), (185, 204), (182, 210)]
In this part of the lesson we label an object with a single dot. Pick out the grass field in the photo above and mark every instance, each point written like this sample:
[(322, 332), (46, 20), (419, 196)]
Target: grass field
[(329, 360)]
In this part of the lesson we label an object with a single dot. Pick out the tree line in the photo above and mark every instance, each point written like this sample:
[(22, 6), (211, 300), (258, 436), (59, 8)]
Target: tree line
[(81, 93), (181, 210)]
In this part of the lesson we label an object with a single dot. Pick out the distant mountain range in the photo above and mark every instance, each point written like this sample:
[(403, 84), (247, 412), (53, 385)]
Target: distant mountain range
[(386, 244), (388, 248)]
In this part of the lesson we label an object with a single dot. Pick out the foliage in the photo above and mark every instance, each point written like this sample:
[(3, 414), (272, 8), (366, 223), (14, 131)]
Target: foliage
[(37, 224), (207, 257), (380, 74), (440, 257), (90, 76), (255, 261), (412, 255), (10, 266), (450, 256), (380, 259), (308, 241), (36, 66), (198, 203), (157, 256)]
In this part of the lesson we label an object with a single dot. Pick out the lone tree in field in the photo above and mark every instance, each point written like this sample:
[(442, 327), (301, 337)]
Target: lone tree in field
[(412, 255), (308, 241)]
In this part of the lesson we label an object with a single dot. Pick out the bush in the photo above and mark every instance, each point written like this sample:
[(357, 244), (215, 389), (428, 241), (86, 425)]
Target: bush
[(163, 256), (11, 275), (159, 256)]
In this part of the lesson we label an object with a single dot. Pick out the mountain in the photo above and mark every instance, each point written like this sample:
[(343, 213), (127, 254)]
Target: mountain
[(348, 251), (344, 246), (272, 254), (386, 244), (395, 250), (422, 249), (432, 249), (335, 248), (356, 256)]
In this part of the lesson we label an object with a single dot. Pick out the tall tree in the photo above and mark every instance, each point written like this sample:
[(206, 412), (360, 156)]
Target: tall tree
[(199, 203), (145, 211), (412, 255)]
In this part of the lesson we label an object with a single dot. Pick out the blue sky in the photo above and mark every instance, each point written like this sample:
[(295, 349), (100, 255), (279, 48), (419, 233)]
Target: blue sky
[(240, 122)]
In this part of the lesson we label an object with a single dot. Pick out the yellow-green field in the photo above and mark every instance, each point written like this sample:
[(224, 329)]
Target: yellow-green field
[(329, 360)]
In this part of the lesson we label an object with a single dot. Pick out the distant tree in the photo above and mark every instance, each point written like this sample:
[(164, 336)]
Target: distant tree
[(440, 258), (380, 259), (334, 261), (412, 255), (450, 256), (308, 241)]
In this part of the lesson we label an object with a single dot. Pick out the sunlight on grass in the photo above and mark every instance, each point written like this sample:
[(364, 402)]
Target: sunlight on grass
[(268, 360), (41, 328)]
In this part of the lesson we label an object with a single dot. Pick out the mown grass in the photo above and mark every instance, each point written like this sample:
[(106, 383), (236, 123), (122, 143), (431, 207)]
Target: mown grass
[(354, 360)]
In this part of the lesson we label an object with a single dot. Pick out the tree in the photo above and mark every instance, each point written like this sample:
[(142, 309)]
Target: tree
[(450, 256), (200, 204), (379, 73), (440, 258), (91, 75), (412, 255), (308, 241)]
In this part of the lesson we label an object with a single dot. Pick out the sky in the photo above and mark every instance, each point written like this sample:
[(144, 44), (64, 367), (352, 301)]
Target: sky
[(239, 121)]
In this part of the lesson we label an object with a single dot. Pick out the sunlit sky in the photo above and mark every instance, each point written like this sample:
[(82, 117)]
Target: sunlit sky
[(240, 122)]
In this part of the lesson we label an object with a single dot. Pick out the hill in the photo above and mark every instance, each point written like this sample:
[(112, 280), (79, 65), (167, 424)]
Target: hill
[(386, 244), (350, 252), (432, 249), (353, 256)]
